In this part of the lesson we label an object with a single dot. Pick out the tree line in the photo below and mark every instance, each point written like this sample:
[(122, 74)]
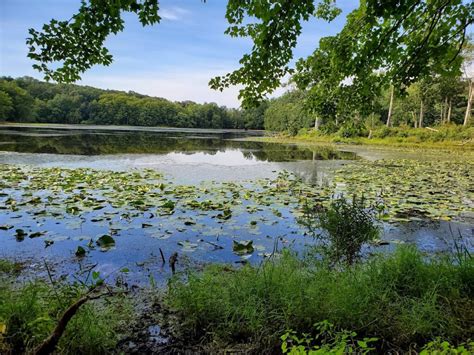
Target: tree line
[(29, 100), (429, 102)]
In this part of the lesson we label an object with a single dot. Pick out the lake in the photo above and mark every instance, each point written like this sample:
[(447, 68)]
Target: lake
[(209, 195)]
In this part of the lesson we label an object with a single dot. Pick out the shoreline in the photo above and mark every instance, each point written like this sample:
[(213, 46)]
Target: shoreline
[(365, 142)]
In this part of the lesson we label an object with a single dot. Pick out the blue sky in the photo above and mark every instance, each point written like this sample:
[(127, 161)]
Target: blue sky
[(174, 59)]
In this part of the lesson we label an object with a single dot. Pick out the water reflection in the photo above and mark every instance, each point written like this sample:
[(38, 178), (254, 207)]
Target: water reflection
[(191, 146)]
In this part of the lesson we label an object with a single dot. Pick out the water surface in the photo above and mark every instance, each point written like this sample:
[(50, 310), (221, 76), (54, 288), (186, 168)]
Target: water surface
[(207, 160)]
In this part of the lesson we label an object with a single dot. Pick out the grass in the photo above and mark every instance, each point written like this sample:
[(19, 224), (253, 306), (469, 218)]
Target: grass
[(448, 136), (30, 311), (404, 299)]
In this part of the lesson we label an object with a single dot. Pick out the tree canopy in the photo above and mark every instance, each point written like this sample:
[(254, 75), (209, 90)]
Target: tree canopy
[(406, 39)]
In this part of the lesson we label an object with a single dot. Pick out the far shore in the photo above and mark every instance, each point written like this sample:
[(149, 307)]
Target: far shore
[(127, 128)]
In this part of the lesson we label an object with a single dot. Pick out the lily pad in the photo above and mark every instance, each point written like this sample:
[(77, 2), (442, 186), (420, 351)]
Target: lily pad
[(105, 242), (20, 234), (80, 252), (187, 246), (243, 247)]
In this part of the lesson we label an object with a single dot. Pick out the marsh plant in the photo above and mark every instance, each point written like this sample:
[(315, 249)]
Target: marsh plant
[(342, 228)]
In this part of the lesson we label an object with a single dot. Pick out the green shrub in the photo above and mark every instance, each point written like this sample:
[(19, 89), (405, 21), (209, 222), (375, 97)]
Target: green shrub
[(418, 135), (346, 226), (352, 129), (329, 127), (439, 347), (404, 299)]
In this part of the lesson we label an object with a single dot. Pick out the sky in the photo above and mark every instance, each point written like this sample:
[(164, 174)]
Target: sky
[(174, 59)]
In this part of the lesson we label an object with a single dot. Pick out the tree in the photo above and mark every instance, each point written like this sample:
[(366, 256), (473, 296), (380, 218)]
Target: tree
[(407, 39), (22, 102), (468, 55), (390, 107), (287, 113), (6, 105)]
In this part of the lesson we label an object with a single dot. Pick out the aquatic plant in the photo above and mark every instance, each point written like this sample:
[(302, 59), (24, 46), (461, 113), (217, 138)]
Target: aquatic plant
[(342, 228)]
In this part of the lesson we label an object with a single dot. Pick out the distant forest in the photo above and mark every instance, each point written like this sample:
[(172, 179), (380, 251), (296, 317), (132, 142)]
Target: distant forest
[(29, 100)]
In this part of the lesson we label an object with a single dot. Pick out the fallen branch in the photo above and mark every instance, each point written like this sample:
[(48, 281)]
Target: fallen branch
[(432, 129), (49, 345)]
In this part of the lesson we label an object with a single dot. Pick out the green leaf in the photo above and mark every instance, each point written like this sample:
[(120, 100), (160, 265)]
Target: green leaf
[(105, 242), (80, 252), (243, 247)]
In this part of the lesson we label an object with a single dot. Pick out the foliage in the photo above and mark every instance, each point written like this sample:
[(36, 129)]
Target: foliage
[(326, 341), (27, 99), (406, 41), (346, 225), (441, 133), (401, 299), (352, 129), (439, 347), (454, 137), (78, 44), (353, 111), (287, 114)]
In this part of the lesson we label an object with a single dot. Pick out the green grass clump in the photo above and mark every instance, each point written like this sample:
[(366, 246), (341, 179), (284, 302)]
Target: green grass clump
[(8, 267), (403, 299), (29, 313)]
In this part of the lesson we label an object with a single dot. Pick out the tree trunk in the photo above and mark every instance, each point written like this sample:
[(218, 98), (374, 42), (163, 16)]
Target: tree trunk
[(316, 123), (415, 122), (444, 110), (390, 107), (448, 116), (469, 103), (422, 113)]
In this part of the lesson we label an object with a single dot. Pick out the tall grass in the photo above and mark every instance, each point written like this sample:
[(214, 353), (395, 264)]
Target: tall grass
[(404, 299)]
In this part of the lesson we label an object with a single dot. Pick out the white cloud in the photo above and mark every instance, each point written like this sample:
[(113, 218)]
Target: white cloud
[(180, 85), (174, 13)]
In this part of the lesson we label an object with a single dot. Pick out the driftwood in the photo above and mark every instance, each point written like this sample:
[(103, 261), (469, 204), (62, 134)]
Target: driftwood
[(49, 345)]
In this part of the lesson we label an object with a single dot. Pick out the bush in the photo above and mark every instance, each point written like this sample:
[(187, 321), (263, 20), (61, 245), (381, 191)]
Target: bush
[(346, 225), (404, 299), (418, 135), (329, 127), (352, 129)]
